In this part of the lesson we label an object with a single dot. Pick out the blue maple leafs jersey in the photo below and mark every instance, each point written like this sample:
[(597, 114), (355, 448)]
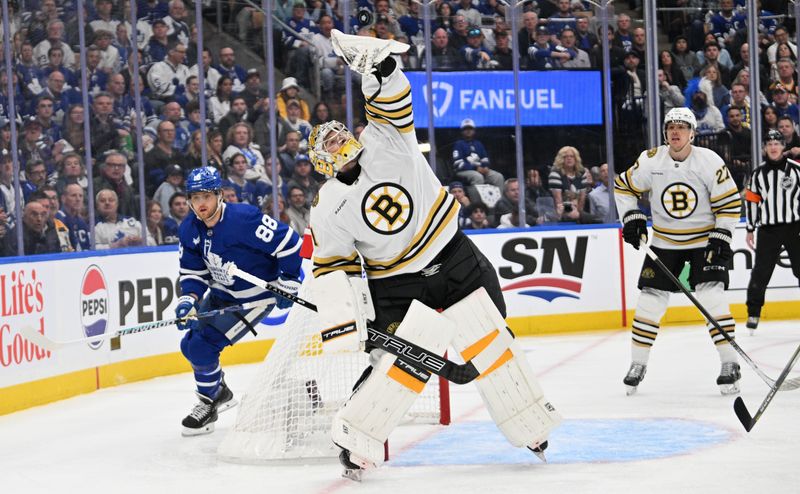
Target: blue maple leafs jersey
[(257, 243)]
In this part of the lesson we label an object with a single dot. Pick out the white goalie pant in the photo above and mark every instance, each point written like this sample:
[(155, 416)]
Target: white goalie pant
[(379, 403), (506, 383)]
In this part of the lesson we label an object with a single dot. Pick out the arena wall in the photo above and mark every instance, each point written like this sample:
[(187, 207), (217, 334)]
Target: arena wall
[(555, 280)]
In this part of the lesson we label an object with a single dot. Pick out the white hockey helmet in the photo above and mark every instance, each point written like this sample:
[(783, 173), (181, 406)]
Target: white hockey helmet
[(682, 115), (326, 162)]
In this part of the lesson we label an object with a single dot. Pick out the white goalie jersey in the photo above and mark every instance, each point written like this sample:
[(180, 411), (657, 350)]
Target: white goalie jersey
[(688, 199), (396, 217)]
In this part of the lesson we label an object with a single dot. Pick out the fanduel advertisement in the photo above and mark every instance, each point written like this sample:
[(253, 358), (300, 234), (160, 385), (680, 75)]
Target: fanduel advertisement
[(547, 98)]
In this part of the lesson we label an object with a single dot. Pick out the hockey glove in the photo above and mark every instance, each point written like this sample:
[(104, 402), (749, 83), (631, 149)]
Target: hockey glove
[(718, 251), (634, 227), (287, 284), (187, 308)]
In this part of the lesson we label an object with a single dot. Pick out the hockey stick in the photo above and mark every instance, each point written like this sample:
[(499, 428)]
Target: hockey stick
[(741, 410), (406, 351), (43, 341), (786, 386)]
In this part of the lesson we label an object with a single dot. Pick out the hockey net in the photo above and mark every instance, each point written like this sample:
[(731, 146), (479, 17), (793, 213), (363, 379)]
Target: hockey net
[(289, 408)]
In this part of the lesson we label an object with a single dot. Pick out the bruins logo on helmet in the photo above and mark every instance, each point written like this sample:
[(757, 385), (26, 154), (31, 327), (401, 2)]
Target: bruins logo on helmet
[(387, 208), (651, 152), (679, 200)]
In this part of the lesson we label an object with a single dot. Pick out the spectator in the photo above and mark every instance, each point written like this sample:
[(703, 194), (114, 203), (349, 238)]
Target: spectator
[(55, 35), (320, 114), (623, 37), (744, 66), (743, 78), (711, 56), (458, 33), (37, 29), (780, 100), (502, 56), (122, 42), (673, 73), (298, 49), (28, 71), (55, 62), (238, 113), (171, 112), (191, 93), (598, 197), (110, 58), (585, 39), (740, 144), (444, 17), (331, 67), (638, 45), (471, 162), (240, 140), (787, 130), (510, 203), (47, 197), (246, 191), (266, 207), (71, 171), (177, 29), (478, 217), (580, 59), (294, 122), (709, 119), (35, 178), (35, 146), (71, 214), (106, 132), (443, 56), (8, 193), (178, 207), (103, 18), (544, 54), (685, 59), (725, 23), (671, 96), (112, 177), (784, 53), (562, 19), (473, 54), (167, 79), (787, 78), (568, 185), (220, 103), (769, 116), (158, 44), (711, 85), (740, 100), (174, 183), (162, 154), (227, 66), (412, 24), (114, 230), (62, 97), (465, 8), (163, 230), (36, 237), (298, 212), (289, 152), (457, 191), (71, 133), (290, 91), (210, 74), (781, 36), (527, 35), (303, 178), (256, 98), (229, 195)]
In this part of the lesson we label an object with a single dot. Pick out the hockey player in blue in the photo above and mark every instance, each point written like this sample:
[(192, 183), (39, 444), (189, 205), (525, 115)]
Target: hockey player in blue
[(213, 236)]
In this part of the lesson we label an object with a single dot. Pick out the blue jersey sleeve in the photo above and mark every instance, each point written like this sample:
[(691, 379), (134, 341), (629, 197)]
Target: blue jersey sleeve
[(274, 238), (194, 275)]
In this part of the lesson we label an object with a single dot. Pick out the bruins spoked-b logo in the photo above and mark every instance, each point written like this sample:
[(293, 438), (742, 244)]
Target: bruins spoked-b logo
[(679, 200), (387, 208)]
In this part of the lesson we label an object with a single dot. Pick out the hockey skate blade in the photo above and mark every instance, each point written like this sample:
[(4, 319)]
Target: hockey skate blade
[(538, 450), (729, 389), (353, 474), (630, 390), (207, 429), (227, 405)]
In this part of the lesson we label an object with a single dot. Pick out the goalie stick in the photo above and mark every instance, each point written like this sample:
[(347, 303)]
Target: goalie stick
[(47, 343), (406, 351), (739, 407), (789, 385)]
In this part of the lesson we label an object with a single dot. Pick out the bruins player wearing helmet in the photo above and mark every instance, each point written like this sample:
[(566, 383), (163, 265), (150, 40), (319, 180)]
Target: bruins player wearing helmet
[(384, 210), (695, 206)]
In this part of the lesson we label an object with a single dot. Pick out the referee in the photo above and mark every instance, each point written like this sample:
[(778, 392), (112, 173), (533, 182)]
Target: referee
[(773, 206)]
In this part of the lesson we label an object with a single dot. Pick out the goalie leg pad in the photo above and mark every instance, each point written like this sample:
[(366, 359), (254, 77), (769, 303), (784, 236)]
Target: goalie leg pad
[(344, 306), (378, 405), (507, 383)]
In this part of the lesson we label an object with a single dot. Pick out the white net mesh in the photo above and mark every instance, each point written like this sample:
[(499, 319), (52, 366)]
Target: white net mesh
[(288, 411)]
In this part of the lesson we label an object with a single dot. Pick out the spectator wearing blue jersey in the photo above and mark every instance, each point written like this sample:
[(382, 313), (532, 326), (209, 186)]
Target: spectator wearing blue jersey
[(471, 162), (562, 19), (156, 49), (544, 54), (71, 214), (725, 22), (213, 237), (473, 54), (299, 49), (246, 191)]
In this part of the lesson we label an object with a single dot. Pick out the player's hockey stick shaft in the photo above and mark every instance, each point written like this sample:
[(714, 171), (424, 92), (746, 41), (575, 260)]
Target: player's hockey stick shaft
[(741, 410), (47, 343), (404, 350), (788, 385)]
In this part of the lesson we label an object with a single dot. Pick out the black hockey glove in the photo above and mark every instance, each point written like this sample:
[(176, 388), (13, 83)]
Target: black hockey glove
[(634, 227), (718, 251)]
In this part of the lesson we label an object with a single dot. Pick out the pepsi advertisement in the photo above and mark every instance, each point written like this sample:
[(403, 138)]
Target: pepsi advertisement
[(547, 98)]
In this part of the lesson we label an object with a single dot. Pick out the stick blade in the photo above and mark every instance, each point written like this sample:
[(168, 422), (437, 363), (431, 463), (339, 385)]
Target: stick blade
[(38, 338), (743, 414)]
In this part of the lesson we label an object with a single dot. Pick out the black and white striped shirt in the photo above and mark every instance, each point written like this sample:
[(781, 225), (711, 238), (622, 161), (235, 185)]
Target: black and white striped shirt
[(773, 196)]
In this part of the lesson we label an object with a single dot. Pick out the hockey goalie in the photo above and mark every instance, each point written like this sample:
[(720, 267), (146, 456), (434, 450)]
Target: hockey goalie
[(383, 210)]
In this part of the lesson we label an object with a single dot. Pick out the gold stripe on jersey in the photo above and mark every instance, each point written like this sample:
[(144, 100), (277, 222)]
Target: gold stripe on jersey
[(347, 269), (629, 180), (396, 113), (388, 100), (682, 236), (422, 240), (348, 264), (723, 196), (403, 129), (682, 231), (393, 110), (734, 206), (687, 241)]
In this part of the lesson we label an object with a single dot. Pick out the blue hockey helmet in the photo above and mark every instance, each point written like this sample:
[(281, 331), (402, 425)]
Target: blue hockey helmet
[(203, 179)]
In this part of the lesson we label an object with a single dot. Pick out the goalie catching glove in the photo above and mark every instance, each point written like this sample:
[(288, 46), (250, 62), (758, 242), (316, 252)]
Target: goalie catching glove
[(344, 307), (362, 53)]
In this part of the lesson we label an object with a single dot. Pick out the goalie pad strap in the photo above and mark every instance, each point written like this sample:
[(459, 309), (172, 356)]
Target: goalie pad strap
[(489, 352), (344, 306), (379, 404)]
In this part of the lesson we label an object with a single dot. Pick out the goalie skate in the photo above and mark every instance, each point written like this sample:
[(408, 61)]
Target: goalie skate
[(634, 377), (728, 380)]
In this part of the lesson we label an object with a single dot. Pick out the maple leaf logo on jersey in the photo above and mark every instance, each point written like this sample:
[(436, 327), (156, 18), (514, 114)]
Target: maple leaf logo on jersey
[(219, 269), (196, 240)]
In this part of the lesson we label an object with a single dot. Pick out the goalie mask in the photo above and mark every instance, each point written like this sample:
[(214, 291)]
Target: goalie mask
[(331, 146)]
